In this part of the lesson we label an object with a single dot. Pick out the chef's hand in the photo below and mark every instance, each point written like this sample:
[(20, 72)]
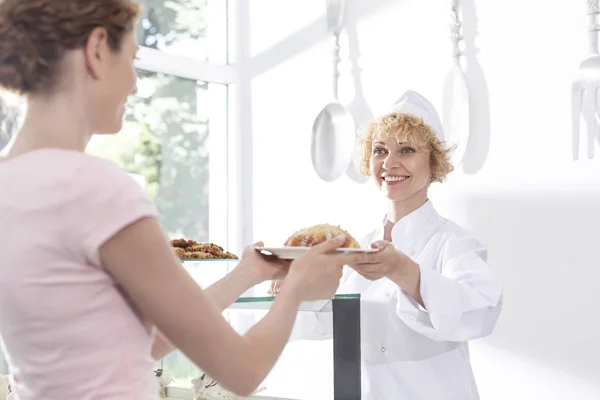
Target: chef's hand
[(263, 267), (393, 264), (385, 262), (372, 266)]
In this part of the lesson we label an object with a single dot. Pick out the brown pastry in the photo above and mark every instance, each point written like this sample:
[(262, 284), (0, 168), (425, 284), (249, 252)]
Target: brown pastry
[(183, 243), (316, 234), (198, 255), (190, 249), (229, 256), (179, 251), (206, 248)]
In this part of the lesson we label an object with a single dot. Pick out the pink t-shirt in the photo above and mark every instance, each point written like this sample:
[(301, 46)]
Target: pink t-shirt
[(69, 332)]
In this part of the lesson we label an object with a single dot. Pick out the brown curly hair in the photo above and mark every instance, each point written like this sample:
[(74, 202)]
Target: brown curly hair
[(407, 128), (35, 34)]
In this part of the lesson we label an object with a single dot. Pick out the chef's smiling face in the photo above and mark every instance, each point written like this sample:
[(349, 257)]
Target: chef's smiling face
[(403, 155), (400, 169)]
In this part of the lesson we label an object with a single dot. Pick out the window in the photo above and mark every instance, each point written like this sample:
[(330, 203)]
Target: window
[(174, 135), (190, 28), (10, 116), (175, 132)]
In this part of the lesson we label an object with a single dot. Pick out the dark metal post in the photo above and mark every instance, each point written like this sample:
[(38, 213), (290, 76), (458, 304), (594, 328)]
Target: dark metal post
[(346, 349)]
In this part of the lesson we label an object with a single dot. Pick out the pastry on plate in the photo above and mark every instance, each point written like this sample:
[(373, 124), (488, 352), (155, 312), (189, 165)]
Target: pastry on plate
[(316, 234)]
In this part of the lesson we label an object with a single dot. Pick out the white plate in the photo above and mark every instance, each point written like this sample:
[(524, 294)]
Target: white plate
[(292, 252)]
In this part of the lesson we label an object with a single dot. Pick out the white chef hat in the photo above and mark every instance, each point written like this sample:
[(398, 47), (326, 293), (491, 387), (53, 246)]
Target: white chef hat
[(412, 102)]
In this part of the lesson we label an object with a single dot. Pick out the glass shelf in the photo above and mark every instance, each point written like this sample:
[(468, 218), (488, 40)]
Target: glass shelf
[(191, 261), (264, 303), (208, 271)]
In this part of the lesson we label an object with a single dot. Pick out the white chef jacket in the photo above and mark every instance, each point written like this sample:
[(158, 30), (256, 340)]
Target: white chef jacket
[(410, 352)]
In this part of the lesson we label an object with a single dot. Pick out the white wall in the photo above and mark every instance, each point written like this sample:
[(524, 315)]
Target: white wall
[(518, 189)]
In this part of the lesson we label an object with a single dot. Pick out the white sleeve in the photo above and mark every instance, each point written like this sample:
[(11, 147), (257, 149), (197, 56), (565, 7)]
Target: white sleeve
[(462, 302)]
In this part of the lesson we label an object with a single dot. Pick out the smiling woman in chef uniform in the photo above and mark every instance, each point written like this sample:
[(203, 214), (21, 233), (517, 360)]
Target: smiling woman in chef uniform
[(429, 290)]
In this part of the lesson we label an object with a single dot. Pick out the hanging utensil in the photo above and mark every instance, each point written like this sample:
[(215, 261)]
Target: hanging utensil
[(361, 112), (455, 112), (333, 133), (586, 84)]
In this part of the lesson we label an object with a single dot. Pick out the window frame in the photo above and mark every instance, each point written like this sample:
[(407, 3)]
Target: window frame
[(230, 176)]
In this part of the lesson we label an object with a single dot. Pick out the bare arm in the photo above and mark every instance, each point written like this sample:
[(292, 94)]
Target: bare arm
[(161, 346), (228, 289), (142, 261), (223, 292)]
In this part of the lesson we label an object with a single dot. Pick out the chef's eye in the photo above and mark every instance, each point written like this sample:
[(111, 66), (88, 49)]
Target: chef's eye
[(378, 151)]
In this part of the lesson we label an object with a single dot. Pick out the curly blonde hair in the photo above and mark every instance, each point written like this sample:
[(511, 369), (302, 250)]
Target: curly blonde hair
[(407, 128)]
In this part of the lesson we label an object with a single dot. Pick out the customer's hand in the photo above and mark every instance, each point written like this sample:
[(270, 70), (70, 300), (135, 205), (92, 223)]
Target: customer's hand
[(316, 275), (275, 285), (263, 267)]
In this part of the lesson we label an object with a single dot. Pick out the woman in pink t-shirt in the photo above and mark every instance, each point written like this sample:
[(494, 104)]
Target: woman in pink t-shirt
[(86, 272)]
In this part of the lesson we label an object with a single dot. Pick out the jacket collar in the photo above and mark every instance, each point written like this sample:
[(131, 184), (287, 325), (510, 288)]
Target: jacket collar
[(411, 234)]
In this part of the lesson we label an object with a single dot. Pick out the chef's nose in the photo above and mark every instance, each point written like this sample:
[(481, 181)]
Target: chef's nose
[(391, 161)]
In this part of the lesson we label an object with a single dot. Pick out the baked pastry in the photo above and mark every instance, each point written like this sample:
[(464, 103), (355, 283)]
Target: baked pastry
[(183, 243), (190, 249), (229, 256), (316, 234), (205, 248), (179, 251), (197, 255)]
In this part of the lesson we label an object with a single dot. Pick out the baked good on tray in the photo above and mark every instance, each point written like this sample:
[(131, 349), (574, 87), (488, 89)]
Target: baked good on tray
[(316, 234), (192, 250)]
